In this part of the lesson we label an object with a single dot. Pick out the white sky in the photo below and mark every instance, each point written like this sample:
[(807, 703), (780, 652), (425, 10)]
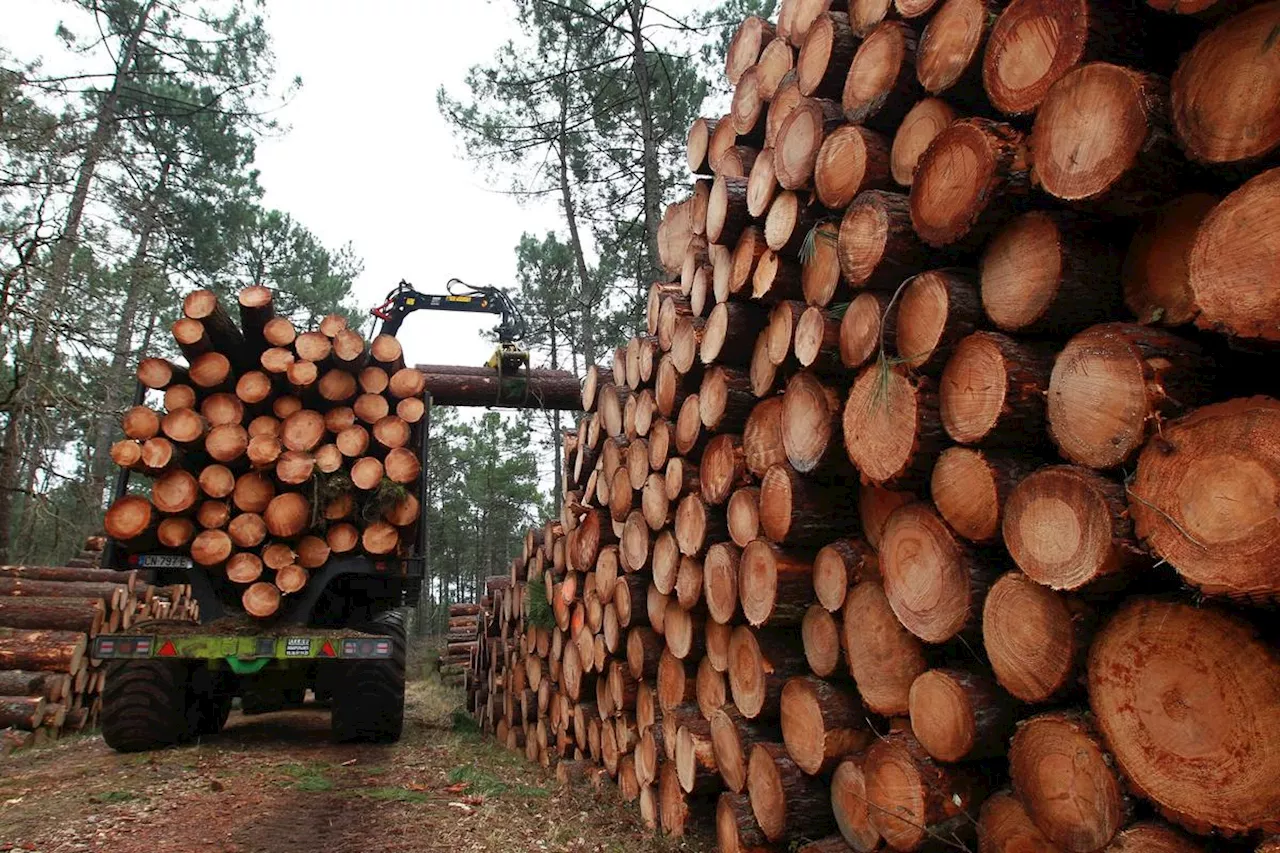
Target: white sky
[(367, 157)]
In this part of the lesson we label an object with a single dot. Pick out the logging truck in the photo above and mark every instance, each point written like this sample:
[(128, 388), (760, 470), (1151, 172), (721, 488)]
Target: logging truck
[(342, 637)]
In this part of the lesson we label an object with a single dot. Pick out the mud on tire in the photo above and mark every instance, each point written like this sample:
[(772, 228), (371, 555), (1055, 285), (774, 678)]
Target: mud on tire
[(368, 695), (145, 705)]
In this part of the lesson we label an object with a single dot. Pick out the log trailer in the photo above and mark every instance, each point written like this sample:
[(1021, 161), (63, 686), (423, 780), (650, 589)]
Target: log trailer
[(342, 635)]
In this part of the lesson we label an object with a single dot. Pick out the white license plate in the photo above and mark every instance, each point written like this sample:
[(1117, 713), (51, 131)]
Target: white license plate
[(164, 561)]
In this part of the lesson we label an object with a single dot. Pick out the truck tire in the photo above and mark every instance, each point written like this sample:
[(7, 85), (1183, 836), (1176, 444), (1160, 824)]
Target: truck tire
[(368, 696), (209, 702), (145, 705)]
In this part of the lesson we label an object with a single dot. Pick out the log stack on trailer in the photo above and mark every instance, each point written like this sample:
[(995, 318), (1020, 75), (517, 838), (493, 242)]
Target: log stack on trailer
[(937, 500), (49, 684), (275, 448)]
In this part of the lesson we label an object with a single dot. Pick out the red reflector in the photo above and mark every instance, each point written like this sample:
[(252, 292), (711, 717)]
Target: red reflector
[(167, 650), (326, 651)]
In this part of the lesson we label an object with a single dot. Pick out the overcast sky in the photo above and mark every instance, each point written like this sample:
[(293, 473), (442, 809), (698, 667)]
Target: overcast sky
[(367, 157)]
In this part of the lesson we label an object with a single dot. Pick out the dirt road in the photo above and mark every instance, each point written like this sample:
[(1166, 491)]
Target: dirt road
[(275, 784)]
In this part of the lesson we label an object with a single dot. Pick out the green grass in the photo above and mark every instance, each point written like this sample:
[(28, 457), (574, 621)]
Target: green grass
[(486, 784), (309, 778)]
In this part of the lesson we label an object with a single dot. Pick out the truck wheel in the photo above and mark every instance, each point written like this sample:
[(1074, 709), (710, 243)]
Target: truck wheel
[(144, 705), (368, 695)]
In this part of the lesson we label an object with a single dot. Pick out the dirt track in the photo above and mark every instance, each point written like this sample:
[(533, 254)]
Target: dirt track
[(276, 784)]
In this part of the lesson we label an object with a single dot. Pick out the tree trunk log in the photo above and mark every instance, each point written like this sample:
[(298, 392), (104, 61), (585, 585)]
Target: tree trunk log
[(993, 390), (884, 658), (892, 430), (881, 85), (799, 511), (1226, 781), (1148, 375), (913, 799), (786, 803), (43, 651), (821, 724), (877, 245), (1079, 811), (959, 715), (760, 662), (482, 386), (970, 488)]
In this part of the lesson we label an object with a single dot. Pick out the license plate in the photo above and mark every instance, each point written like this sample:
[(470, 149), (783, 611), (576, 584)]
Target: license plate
[(164, 561)]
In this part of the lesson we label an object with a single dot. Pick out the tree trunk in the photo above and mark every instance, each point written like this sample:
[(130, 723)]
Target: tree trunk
[(1224, 783), (1004, 826), (970, 488), (993, 390), (44, 651), (786, 803), (821, 724), (877, 245), (799, 511), (884, 658), (1080, 811), (839, 566), (948, 207), (925, 120), (760, 662), (881, 85), (1148, 375), (850, 807), (84, 615), (913, 799), (892, 430), (959, 715)]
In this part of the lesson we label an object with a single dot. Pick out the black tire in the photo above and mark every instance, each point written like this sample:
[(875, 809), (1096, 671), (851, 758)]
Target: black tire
[(368, 695), (145, 705)]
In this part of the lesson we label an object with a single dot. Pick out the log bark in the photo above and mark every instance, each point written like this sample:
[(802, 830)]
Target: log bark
[(849, 805), (725, 400), (41, 650), (949, 56), (1079, 811), (924, 121), (736, 827), (1004, 826), (821, 724), (1049, 273), (1227, 783), (727, 213), (723, 469), (744, 49), (811, 426), (483, 386), (1231, 264), (860, 329), (786, 803), (993, 390), (720, 581), (934, 312), (817, 342), (699, 525), (1224, 95), (788, 224), (935, 583), (730, 332), (969, 181), (884, 658), (695, 761), (1113, 382), (733, 738), (1133, 164), (1189, 499), (84, 615), (820, 633), (1156, 272), (912, 798), (22, 712), (257, 308)]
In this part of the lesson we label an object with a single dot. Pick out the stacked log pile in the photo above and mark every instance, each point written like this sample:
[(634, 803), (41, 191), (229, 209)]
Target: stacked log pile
[(935, 499), (275, 449), (49, 686)]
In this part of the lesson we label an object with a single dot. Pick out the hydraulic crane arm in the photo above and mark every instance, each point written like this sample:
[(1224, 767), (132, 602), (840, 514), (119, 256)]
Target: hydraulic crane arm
[(404, 300)]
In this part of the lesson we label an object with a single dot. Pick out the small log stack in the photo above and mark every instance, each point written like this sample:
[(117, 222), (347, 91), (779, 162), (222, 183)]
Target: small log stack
[(49, 685), (946, 512), (275, 448)]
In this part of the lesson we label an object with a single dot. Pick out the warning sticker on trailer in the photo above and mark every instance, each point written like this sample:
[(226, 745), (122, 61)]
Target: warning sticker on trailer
[(297, 647)]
